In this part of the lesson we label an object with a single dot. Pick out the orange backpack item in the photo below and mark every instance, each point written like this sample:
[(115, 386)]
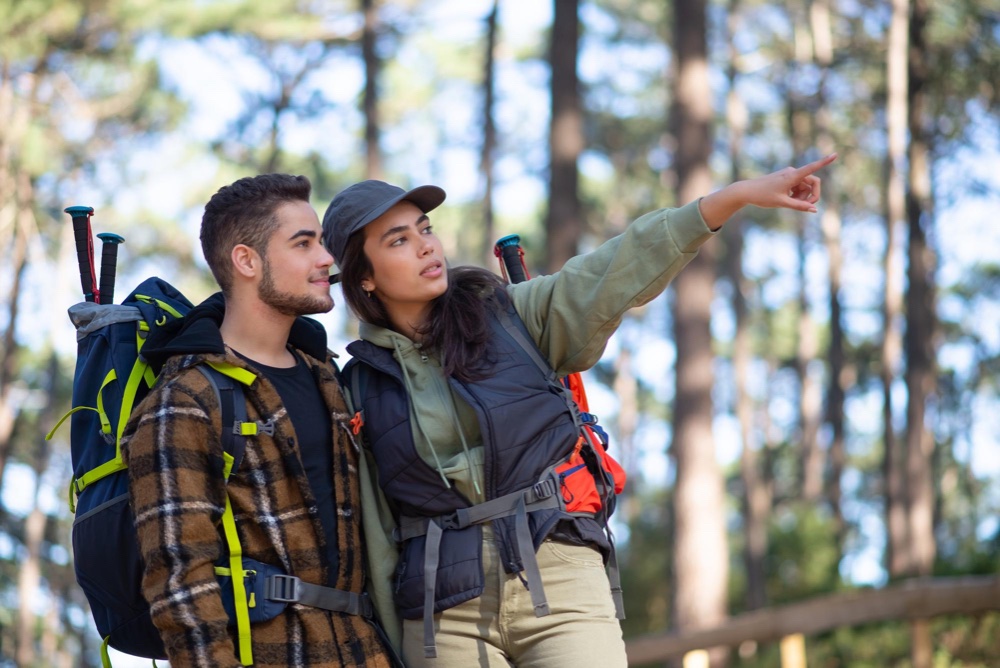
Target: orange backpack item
[(579, 486)]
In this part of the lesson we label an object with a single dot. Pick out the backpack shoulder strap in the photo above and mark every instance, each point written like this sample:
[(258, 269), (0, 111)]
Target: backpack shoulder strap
[(232, 405), (358, 384), (529, 348)]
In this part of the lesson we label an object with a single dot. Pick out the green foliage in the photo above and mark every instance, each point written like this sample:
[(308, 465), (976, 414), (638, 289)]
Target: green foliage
[(803, 555), (645, 564)]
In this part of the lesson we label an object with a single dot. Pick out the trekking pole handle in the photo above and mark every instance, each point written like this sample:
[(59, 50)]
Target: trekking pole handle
[(509, 250), (109, 265), (84, 249)]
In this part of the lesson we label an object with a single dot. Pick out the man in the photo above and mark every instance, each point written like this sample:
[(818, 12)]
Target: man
[(295, 494)]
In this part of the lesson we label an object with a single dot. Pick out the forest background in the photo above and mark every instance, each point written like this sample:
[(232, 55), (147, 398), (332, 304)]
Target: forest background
[(811, 408)]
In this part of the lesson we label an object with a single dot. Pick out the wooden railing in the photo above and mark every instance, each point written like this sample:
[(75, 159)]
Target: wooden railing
[(914, 599)]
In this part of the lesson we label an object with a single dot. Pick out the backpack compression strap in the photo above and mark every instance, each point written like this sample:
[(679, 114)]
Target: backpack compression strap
[(140, 372)]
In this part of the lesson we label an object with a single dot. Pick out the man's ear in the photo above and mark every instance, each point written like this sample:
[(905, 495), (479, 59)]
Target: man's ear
[(246, 261)]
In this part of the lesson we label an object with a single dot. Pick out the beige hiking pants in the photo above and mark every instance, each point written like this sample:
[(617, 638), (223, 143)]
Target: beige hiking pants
[(499, 629)]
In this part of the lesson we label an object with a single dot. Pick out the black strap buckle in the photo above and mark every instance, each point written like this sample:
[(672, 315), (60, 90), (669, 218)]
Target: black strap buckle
[(283, 589), (367, 608), (543, 489)]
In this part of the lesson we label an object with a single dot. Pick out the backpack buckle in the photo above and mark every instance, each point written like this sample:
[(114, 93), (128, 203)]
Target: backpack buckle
[(283, 588), (543, 489), (253, 428)]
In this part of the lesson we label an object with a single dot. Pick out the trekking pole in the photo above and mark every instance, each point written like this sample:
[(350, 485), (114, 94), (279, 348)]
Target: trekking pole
[(508, 250), (511, 255), (84, 250), (109, 265)]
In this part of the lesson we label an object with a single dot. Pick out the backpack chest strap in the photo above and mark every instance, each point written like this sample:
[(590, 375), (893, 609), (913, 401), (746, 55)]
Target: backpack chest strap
[(541, 496)]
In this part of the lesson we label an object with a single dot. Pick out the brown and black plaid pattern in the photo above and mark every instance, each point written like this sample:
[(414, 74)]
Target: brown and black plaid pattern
[(174, 454)]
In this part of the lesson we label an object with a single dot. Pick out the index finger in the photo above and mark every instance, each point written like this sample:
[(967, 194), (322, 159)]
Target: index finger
[(813, 167)]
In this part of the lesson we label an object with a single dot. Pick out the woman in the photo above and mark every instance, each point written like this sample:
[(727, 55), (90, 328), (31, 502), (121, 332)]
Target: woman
[(462, 423)]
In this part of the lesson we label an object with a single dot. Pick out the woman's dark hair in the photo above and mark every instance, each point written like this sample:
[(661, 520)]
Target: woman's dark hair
[(458, 327)]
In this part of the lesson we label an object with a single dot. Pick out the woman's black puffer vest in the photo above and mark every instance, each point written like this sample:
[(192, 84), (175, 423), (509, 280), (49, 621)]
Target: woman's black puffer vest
[(527, 425)]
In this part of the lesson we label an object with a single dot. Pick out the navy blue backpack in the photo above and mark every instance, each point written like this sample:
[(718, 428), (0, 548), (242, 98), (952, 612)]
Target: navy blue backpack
[(110, 380)]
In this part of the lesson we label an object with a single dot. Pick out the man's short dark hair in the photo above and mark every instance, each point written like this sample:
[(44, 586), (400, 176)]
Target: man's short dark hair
[(244, 213)]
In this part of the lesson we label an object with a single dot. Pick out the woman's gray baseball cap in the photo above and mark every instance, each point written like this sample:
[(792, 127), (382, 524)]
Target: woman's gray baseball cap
[(360, 204)]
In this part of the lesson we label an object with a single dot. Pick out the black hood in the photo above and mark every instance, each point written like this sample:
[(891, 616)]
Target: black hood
[(197, 333)]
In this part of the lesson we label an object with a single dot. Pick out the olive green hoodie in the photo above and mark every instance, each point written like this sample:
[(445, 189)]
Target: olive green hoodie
[(570, 315)]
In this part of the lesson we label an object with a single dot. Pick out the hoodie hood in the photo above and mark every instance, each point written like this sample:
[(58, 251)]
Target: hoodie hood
[(446, 429), (197, 333), (384, 337)]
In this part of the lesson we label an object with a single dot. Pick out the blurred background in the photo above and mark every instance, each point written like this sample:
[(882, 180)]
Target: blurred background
[(809, 414)]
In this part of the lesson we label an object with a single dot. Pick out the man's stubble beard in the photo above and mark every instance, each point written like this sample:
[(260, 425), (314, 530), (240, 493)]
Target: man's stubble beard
[(287, 303)]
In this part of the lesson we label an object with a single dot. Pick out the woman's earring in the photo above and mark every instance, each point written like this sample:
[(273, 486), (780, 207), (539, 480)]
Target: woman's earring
[(369, 293)]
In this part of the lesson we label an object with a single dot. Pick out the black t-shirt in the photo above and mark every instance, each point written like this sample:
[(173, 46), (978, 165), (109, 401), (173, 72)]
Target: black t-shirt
[(311, 422)]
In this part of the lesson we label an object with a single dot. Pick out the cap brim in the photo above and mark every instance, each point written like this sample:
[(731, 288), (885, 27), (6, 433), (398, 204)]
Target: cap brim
[(427, 198)]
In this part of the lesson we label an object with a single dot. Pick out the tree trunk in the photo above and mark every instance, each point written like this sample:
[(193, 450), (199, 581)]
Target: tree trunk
[(701, 555), (810, 396), (30, 575), (489, 132), (23, 223), (830, 224), (896, 115), (563, 224), (373, 65), (18, 198), (757, 493), (921, 324), (28, 579), (756, 501)]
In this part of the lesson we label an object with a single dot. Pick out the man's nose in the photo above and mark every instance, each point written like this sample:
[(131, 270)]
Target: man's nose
[(326, 259)]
